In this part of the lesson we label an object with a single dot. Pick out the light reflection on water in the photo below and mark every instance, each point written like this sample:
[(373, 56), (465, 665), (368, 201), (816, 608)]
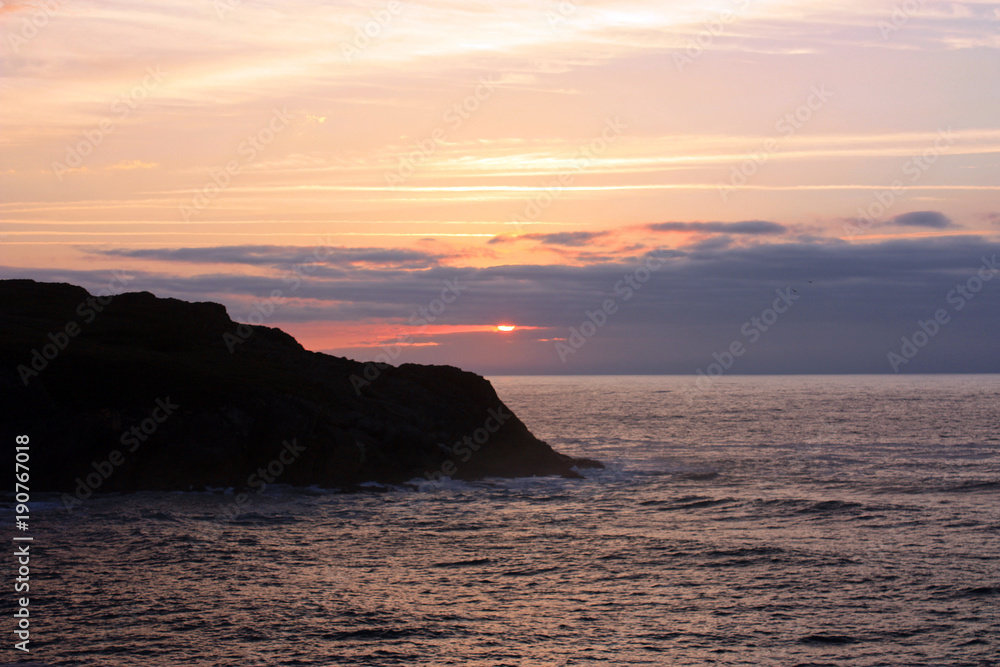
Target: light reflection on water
[(774, 521)]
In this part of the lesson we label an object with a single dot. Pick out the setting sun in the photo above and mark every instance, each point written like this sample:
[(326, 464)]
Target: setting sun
[(295, 315)]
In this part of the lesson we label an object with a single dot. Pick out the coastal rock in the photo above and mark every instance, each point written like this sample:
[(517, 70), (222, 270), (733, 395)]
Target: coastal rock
[(133, 392)]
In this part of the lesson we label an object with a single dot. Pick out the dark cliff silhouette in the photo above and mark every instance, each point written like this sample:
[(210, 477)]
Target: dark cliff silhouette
[(139, 393)]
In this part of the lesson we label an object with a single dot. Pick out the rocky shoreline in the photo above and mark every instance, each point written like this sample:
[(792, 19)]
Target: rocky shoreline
[(133, 392)]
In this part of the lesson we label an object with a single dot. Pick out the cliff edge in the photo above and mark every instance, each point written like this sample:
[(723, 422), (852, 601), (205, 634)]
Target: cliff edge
[(133, 392)]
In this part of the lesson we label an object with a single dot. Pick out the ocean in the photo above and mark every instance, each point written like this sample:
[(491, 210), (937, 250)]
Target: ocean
[(798, 520)]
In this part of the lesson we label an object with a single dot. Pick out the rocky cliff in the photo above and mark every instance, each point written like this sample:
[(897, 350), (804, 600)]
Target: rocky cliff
[(134, 392)]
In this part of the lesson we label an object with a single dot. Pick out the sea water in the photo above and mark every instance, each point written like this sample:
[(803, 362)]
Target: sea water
[(804, 520)]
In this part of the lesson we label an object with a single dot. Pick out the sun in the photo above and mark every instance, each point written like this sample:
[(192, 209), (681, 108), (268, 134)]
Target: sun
[(505, 327)]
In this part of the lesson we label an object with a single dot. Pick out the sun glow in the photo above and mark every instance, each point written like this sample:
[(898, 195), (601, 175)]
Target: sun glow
[(505, 327)]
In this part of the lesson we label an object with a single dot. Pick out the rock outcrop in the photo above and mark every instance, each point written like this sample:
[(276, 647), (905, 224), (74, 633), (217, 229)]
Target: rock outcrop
[(133, 392)]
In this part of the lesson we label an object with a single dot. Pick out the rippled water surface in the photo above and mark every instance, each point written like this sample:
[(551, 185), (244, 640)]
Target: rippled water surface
[(771, 521)]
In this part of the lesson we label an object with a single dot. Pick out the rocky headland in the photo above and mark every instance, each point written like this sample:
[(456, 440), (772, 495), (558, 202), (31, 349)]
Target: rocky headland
[(133, 392)]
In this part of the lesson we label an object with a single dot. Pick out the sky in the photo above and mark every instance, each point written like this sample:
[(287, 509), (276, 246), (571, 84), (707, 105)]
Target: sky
[(743, 186)]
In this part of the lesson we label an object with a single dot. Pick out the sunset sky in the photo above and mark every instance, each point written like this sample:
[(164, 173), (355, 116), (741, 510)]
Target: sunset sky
[(408, 175)]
